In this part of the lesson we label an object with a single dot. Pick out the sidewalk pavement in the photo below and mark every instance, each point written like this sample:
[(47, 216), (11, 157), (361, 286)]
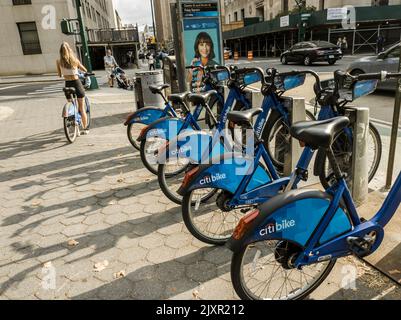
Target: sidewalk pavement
[(52, 77)]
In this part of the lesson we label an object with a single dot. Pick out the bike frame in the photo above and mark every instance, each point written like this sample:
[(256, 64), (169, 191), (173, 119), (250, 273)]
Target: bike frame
[(339, 247)]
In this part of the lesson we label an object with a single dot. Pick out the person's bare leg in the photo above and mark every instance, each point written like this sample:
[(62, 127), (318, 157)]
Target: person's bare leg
[(82, 110)]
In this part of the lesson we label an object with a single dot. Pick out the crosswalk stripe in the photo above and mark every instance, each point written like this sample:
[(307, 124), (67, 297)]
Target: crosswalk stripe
[(44, 92)]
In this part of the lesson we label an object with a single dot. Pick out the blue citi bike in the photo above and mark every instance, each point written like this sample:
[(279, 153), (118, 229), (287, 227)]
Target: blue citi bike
[(72, 119), (136, 121), (288, 246), (159, 132), (190, 147), (217, 195)]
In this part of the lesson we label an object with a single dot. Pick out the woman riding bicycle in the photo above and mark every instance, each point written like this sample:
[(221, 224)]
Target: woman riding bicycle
[(67, 66)]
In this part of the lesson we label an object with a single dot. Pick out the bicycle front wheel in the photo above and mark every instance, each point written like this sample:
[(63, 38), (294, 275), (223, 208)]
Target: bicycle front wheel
[(263, 271), (342, 148), (88, 113), (277, 138)]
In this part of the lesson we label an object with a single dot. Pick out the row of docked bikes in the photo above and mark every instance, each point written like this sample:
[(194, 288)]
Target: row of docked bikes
[(222, 159)]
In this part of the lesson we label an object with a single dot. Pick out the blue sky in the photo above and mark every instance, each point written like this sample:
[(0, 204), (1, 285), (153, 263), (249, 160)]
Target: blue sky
[(134, 11)]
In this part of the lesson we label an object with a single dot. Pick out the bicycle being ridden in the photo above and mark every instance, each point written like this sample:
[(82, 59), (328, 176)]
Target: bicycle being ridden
[(68, 67)]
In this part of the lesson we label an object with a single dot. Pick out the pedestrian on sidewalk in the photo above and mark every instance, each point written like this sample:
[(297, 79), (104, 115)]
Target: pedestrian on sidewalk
[(380, 44), (68, 66), (344, 46), (109, 65), (151, 62)]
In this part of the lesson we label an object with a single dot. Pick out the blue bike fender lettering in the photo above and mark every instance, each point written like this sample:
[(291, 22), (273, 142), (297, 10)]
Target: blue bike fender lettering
[(147, 116), (298, 220), (168, 129), (226, 176)]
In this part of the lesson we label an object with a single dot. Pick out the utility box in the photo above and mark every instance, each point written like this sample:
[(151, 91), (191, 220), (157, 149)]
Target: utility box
[(144, 97)]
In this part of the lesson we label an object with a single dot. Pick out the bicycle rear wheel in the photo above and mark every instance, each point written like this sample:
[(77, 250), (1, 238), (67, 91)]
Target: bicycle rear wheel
[(70, 129), (263, 271), (205, 219)]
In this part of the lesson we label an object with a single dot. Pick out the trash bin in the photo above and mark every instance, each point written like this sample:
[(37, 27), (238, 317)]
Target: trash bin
[(144, 97), (170, 73)]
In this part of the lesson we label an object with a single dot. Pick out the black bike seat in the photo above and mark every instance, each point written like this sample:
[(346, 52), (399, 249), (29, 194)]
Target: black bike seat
[(158, 89), (201, 98), (319, 134), (179, 97), (243, 117), (69, 90)]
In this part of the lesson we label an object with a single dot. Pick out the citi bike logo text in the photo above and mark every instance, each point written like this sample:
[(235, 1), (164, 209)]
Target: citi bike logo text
[(142, 118), (277, 227), (213, 178)]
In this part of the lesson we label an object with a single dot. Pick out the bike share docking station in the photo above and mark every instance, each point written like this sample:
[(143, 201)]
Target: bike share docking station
[(359, 118)]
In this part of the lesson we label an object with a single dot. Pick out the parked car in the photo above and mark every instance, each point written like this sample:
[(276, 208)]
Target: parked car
[(309, 52), (228, 50), (387, 60)]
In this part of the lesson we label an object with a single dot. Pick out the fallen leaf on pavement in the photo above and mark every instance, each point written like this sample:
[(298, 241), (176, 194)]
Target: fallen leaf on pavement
[(195, 295), (100, 266), (120, 274), (73, 243), (35, 203)]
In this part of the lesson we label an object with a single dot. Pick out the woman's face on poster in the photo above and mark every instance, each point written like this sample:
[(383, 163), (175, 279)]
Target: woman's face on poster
[(204, 49)]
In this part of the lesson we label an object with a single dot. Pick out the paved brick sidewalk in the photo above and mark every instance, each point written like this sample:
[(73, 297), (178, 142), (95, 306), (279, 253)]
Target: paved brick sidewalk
[(97, 193)]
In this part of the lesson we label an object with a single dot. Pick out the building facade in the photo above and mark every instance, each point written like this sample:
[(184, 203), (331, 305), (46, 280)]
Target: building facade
[(262, 26), (238, 10), (30, 33), (163, 24)]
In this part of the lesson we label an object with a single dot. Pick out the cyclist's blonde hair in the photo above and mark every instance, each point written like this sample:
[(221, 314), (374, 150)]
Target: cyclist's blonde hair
[(68, 59)]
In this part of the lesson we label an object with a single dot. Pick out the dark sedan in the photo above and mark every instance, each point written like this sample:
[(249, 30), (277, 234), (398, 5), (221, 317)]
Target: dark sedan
[(312, 51)]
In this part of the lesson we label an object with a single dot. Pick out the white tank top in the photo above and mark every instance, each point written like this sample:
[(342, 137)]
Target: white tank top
[(68, 72)]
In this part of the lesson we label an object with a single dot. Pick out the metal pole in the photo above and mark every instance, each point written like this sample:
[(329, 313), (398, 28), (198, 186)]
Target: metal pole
[(85, 48), (394, 132), (153, 20)]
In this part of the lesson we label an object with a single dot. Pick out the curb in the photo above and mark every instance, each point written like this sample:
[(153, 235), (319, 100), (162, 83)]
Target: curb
[(30, 81)]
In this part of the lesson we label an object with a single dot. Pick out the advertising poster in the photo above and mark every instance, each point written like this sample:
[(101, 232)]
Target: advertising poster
[(202, 39)]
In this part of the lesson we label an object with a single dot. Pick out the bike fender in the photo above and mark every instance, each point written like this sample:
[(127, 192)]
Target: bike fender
[(293, 216), (225, 172), (145, 115), (166, 128), (68, 110), (195, 146), (318, 167)]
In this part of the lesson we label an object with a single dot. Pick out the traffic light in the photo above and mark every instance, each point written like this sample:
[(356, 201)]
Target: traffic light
[(67, 27)]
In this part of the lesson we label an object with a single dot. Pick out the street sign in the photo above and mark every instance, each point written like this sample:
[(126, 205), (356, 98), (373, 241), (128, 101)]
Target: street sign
[(305, 16), (284, 21), (337, 13)]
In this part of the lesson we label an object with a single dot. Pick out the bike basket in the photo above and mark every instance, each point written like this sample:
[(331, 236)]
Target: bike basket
[(363, 88), (220, 75), (288, 82), (249, 78)]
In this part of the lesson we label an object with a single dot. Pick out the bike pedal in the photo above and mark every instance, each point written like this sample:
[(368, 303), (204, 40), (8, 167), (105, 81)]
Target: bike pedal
[(359, 246)]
